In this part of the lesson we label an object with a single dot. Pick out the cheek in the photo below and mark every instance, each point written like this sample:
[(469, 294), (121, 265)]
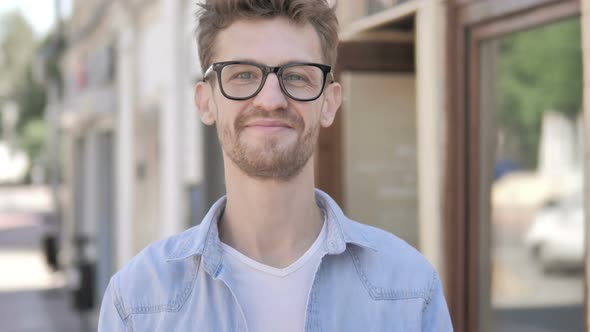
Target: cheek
[(313, 116), (227, 111)]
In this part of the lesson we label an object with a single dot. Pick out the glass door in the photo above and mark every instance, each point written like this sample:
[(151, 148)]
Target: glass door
[(529, 172)]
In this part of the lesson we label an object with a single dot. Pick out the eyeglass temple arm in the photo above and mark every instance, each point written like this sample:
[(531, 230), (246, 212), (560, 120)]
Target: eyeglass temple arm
[(207, 72)]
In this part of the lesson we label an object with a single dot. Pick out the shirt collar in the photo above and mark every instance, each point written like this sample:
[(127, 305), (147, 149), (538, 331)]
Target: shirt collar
[(204, 240)]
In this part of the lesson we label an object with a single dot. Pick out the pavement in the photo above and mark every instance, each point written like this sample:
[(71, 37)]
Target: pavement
[(32, 297)]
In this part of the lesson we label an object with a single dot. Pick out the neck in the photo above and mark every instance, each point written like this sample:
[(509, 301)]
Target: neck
[(270, 221)]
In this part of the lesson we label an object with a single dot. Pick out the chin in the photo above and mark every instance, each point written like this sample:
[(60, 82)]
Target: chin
[(277, 165)]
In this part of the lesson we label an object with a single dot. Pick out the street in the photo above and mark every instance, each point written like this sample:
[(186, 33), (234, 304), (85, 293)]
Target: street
[(32, 297)]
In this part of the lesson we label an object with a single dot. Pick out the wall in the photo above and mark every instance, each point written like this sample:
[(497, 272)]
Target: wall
[(381, 152)]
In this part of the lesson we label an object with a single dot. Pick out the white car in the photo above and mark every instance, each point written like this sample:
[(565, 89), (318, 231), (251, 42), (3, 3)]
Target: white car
[(556, 237)]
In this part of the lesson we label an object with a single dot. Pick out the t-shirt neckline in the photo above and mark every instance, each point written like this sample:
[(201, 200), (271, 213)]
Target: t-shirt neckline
[(279, 272)]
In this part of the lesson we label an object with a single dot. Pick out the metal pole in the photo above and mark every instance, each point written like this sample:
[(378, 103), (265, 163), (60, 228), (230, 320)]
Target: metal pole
[(585, 22)]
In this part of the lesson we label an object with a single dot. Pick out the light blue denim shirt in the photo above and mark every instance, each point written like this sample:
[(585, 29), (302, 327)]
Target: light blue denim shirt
[(368, 280)]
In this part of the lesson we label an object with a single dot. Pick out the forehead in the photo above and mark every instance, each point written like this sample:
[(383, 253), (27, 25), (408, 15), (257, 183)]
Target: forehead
[(269, 41)]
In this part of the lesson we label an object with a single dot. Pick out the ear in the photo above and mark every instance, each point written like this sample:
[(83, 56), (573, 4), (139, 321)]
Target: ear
[(331, 104), (203, 99)]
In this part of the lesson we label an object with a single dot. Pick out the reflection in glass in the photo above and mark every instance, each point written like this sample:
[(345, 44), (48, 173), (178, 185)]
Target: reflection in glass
[(531, 168)]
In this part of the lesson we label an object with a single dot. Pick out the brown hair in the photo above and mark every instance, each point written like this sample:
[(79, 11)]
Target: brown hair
[(216, 15)]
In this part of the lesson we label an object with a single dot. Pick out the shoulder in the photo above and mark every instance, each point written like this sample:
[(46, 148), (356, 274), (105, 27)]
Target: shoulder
[(154, 278), (387, 245), (159, 256), (391, 265)]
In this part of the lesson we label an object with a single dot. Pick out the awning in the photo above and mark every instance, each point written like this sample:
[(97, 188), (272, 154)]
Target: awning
[(390, 24)]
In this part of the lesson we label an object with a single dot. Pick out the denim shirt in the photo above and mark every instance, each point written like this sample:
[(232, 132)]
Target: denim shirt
[(367, 280)]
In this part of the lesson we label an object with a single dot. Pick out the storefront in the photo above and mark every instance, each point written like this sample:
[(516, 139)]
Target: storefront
[(461, 132)]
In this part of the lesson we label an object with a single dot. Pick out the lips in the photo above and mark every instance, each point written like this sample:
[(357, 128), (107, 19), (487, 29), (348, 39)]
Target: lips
[(269, 123)]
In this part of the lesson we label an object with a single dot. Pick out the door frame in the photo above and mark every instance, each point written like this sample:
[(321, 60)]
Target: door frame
[(470, 23)]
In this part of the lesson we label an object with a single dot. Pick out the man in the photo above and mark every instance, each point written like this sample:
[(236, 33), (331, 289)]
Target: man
[(274, 254)]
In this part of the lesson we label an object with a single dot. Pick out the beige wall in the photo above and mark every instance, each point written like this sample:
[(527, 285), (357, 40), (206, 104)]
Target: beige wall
[(380, 163)]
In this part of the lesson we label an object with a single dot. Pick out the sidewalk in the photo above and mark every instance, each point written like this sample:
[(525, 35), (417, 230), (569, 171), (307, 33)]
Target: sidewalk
[(32, 297), (42, 310)]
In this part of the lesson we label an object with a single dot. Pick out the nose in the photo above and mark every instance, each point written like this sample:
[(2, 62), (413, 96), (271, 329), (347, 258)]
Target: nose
[(271, 97)]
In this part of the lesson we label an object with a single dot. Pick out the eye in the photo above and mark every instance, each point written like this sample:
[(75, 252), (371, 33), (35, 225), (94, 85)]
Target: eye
[(247, 75), (294, 77)]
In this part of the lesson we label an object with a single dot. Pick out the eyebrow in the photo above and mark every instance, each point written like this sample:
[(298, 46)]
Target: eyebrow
[(278, 65)]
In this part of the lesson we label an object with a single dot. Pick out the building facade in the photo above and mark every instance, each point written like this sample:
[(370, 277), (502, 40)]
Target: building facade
[(422, 147), (133, 165)]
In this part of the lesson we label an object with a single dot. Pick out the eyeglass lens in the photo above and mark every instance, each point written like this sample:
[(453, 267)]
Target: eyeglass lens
[(244, 80)]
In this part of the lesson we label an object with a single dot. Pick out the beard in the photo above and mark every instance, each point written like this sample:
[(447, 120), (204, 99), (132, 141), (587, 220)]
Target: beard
[(274, 158)]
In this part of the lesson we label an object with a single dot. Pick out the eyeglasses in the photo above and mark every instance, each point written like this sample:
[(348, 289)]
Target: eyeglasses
[(241, 80)]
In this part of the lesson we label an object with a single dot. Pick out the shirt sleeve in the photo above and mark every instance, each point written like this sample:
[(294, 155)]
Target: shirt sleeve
[(436, 313), (110, 319)]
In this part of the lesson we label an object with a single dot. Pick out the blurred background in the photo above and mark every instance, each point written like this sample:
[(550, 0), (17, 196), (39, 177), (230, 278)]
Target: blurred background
[(462, 131)]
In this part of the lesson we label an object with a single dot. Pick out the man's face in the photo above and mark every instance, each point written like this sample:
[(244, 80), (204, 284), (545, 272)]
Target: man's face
[(269, 136)]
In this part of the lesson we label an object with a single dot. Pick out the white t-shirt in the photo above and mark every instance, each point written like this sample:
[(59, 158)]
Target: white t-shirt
[(274, 299)]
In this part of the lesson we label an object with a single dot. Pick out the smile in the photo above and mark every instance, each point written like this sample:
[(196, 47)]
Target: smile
[(269, 124)]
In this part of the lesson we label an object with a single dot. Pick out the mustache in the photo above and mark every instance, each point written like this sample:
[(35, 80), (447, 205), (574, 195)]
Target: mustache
[(291, 118)]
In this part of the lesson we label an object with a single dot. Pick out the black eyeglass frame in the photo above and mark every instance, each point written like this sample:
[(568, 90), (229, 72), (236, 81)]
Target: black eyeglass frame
[(217, 67)]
